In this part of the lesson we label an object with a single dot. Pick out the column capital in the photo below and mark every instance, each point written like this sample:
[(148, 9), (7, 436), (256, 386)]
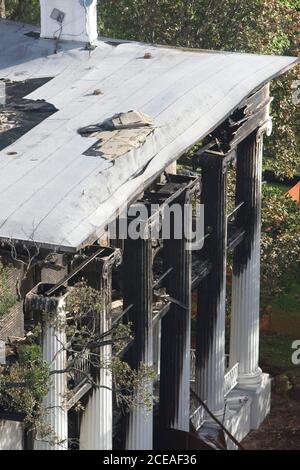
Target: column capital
[(36, 301), (215, 160), (111, 259), (103, 262)]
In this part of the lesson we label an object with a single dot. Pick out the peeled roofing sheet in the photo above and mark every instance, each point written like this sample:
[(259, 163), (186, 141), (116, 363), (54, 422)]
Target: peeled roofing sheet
[(51, 193)]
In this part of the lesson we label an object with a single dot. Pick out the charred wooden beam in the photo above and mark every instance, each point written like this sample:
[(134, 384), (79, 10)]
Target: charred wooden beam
[(249, 124), (201, 268), (78, 269), (253, 113), (235, 236), (159, 315)]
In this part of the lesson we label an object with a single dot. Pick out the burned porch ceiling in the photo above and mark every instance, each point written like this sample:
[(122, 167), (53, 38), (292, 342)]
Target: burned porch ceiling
[(54, 189)]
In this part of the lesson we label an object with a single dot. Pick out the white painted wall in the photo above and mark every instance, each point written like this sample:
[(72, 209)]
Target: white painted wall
[(79, 24), (11, 435)]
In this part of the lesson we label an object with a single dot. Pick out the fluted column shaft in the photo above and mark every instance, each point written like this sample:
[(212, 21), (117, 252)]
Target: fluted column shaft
[(55, 415), (156, 347), (96, 423), (97, 420), (244, 335), (210, 346), (174, 401), (137, 266)]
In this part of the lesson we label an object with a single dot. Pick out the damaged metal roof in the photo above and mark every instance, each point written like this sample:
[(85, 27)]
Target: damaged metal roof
[(60, 188)]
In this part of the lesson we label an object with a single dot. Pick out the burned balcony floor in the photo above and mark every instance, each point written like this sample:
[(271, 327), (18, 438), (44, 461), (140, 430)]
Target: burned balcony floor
[(17, 114)]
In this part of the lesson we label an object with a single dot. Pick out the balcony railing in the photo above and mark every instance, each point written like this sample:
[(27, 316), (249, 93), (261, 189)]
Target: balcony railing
[(193, 365), (231, 379), (80, 368), (198, 417)]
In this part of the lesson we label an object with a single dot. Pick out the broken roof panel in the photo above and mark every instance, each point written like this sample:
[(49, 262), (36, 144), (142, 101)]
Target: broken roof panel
[(53, 191)]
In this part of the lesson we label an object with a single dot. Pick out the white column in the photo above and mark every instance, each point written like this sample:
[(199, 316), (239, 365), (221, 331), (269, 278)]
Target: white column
[(174, 399), (55, 415), (244, 335), (210, 377), (139, 435), (138, 280), (97, 421), (156, 347), (96, 424), (210, 349)]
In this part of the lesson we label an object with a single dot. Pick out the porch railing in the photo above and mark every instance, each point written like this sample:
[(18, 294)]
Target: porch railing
[(80, 368), (193, 365), (231, 379), (198, 417)]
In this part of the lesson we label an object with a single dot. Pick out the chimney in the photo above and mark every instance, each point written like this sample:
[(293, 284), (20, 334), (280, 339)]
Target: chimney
[(71, 20)]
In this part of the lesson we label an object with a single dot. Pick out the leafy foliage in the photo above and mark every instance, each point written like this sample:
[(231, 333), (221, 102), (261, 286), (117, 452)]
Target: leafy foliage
[(7, 299), (23, 384), (27, 11), (85, 305), (280, 242)]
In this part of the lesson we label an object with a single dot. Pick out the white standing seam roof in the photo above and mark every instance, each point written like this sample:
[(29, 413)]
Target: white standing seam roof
[(53, 194)]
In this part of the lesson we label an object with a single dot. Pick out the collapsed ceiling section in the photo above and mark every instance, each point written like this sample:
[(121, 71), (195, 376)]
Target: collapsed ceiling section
[(17, 114), (119, 134)]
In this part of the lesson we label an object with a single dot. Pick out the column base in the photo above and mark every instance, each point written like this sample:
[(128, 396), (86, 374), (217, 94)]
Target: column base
[(260, 396), (246, 409), (239, 424), (139, 434), (237, 420), (252, 380)]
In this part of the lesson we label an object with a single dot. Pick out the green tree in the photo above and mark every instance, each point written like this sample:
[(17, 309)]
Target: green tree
[(7, 299), (27, 11), (280, 242)]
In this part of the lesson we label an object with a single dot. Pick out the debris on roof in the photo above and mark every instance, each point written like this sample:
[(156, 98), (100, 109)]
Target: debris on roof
[(129, 120), (119, 134)]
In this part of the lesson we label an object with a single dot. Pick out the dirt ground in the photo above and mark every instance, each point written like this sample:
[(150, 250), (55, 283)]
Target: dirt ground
[(280, 430)]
